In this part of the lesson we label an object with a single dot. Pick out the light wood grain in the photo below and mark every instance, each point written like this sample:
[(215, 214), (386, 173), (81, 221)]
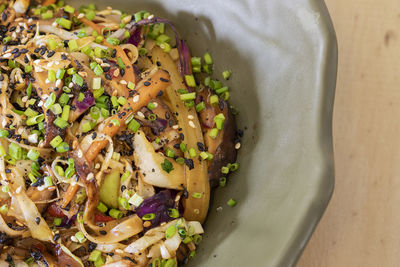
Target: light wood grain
[(361, 226)]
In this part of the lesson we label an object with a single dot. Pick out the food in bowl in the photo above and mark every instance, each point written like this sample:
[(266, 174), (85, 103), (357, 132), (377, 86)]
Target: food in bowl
[(111, 137)]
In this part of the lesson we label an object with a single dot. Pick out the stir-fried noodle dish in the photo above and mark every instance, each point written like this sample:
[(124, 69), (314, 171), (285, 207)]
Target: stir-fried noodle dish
[(111, 137)]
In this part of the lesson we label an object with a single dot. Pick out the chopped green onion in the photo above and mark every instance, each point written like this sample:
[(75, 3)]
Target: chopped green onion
[(81, 97), (196, 69), (222, 90), (195, 61), (73, 45), (188, 96), (189, 79), (47, 15), (63, 100), (99, 39), (183, 147), (125, 176), (225, 170), (95, 255), (138, 16), (51, 75), (71, 71), (3, 133), (166, 47), (131, 85), (99, 262), (116, 156), (148, 217), (200, 106), (80, 236), (56, 141), (151, 105), (219, 121), (57, 221), (63, 147), (163, 38), (233, 167), (173, 213), (169, 153), (99, 92), (214, 99), (134, 125), (30, 112), (231, 202), (96, 83), (197, 195), (142, 51), (197, 239), (28, 68), (61, 123), (120, 63), (69, 9), (60, 74), (65, 112), (15, 151), (170, 232), (204, 155), (104, 112), (59, 170), (226, 74), (98, 70), (170, 263), (34, 120), (6, 39), (117, 214), (95, 113), (90, 14), (56, 108), (86, 126), (52, 44), (192, 152), (135, 200), (208, 59), (127, 34), (5, 189), (122, 100), (222, 181), (77, 79), (50, 101), (207, 69), (123, 203), (47, 181), (112, 40), (213, 133), (101, 207), (180, 160), (33, 154)]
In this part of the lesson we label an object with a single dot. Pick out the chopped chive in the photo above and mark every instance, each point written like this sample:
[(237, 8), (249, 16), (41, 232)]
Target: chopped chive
[(77, 79), (30, 112), (131, 85), (15, 151), (142, 51), (60, 74), (90, 14), (122, 100), (50, 100), (214, 99), (226, 74), (35, 120), (219, 121), (95, 255), (99, 92), (221, 90), (86, 126), (195, 61), (183, 147), (2, 151), (151, 105), (98, 70), (116, 214), (112, 40), (56, 108), (47, 15), (48, 181), (81, 238), (169, 153), (208, 59), (69, 9), (225, 170), (63, 147), (65, 112), (173, 213), (134, 125), (59, 170), (166, 47), (222, 181), (63, 100), (148, 217), (99, 39)]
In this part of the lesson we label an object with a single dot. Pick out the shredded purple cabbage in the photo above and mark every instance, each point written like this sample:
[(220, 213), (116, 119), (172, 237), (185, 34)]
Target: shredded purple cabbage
[(159, 204), (184, 54), (135, 37), (87, 102)]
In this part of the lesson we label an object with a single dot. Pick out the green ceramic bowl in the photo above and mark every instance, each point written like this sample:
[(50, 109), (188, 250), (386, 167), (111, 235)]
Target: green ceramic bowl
[(283, 55)]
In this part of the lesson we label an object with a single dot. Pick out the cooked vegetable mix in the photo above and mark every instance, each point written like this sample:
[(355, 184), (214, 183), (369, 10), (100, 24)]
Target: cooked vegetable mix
[(111, 136)]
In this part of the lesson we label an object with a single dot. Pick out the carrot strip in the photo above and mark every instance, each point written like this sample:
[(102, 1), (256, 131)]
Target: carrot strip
[(69, 194), (48, 2), (147, 89), (94, 26), (129, 75)]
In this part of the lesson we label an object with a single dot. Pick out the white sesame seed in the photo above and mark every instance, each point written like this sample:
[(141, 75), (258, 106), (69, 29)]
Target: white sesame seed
[(237, 145), (14, 35), (81, 15), (8, 55), (19, 223), (54, 24), (99, 61), (103, 64), (191, 124), (24, 99), (28, 56), (24, 40), (119, 251), (18, 30), (80, 153), (116, 72), (40, 103), (135, 99), (83, 73), (190, 117), (37, 61), (122, 82), (90, 176), (70, 85), (50, 64), (74, 239), (47, 81), (57, 62), (176, 126), (18, 189), (219, 209), (155, 104), (151, 16), (58, 82), (140, 114), (97, 166), (30, 21)]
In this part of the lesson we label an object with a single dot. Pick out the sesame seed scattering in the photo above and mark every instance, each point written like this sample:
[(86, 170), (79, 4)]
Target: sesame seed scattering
[(111, 136)]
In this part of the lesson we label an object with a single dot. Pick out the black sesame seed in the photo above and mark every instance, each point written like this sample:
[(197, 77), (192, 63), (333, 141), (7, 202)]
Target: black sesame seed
[(50, 53), (103, 232), (158, 63), (8, 171), (92, 246), (160, 93), (200, 146), (146, 83), (108, 77), (63, 56), (123, 187), (164, 80), (56, 237)]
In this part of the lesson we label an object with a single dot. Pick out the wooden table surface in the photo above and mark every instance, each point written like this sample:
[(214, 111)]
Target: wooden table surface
[(361, 226)]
